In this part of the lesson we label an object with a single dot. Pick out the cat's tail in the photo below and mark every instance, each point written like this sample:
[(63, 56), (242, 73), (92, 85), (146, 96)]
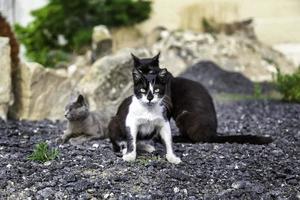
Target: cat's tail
[(239, 139)]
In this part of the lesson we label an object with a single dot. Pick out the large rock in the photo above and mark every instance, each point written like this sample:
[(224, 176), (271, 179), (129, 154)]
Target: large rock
[(109, 80), (217, 80), (41, 93), (5, 77), (236, 53)]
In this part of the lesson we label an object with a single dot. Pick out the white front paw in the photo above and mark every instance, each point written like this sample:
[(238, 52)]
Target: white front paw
[(173, 159), (129, 156)]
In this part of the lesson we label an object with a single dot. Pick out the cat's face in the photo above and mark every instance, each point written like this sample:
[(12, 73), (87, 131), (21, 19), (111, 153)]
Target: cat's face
[(77, 110), (150, 89)]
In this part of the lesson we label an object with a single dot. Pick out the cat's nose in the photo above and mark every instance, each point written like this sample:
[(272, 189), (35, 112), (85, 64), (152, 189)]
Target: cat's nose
[(150, 96)]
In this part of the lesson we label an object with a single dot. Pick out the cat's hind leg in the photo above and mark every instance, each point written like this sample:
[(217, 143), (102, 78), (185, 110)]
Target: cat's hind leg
[(131, 143), (122, 147), (194, 127), (91, 137), (115, 134), (143, 146)]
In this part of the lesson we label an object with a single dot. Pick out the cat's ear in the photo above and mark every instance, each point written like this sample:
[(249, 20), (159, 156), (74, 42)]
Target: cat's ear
[(80, 99), (163, 73), (155, 60), (136, 60), (136, 75)]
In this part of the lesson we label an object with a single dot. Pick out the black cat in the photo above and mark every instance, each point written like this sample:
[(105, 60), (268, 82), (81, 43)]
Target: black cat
[(193, 109)]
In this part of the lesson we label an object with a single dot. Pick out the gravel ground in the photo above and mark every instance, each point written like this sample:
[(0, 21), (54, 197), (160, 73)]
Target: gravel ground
[(208, 171)]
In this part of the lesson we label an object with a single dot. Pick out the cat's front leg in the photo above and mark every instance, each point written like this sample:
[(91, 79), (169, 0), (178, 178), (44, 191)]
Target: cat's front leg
[(165, 133), (131, 134), (66, 136)]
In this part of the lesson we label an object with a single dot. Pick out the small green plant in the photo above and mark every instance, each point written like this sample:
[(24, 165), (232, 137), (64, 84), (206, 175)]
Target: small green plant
[(42, 153), (257, 91), (289, 86), (145, 160)]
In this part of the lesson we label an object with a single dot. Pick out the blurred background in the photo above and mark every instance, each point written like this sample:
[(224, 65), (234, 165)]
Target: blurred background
[(275, 22), (51, 48)]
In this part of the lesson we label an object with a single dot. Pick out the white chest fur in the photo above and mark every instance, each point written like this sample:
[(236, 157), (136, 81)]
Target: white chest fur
[(145, 118)]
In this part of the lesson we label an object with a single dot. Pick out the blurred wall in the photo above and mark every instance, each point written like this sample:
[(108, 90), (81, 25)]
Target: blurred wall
[(23, 9), (18, 11), (276, 21), (7, 9)]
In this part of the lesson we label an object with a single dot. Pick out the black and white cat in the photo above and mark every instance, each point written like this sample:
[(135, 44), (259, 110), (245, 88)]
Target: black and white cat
[(193, 109), (144, 115)]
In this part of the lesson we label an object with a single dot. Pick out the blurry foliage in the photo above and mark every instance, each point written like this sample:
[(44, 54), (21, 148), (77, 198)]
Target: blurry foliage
[(209, 25), (289, 86), (72, 21)]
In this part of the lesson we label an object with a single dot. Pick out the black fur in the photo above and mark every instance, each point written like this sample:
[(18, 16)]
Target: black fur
[(116, 129), (147, 65), (129, 140)]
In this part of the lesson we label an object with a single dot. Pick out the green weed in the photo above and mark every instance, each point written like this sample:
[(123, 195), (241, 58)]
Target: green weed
[(289, 86), (42, 153)]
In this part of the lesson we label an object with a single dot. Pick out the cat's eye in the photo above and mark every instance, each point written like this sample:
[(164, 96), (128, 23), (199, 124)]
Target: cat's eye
[(142, 90), (156, 90)]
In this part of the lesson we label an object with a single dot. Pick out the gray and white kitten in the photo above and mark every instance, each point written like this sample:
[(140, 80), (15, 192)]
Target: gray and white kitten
[(83, 125)]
